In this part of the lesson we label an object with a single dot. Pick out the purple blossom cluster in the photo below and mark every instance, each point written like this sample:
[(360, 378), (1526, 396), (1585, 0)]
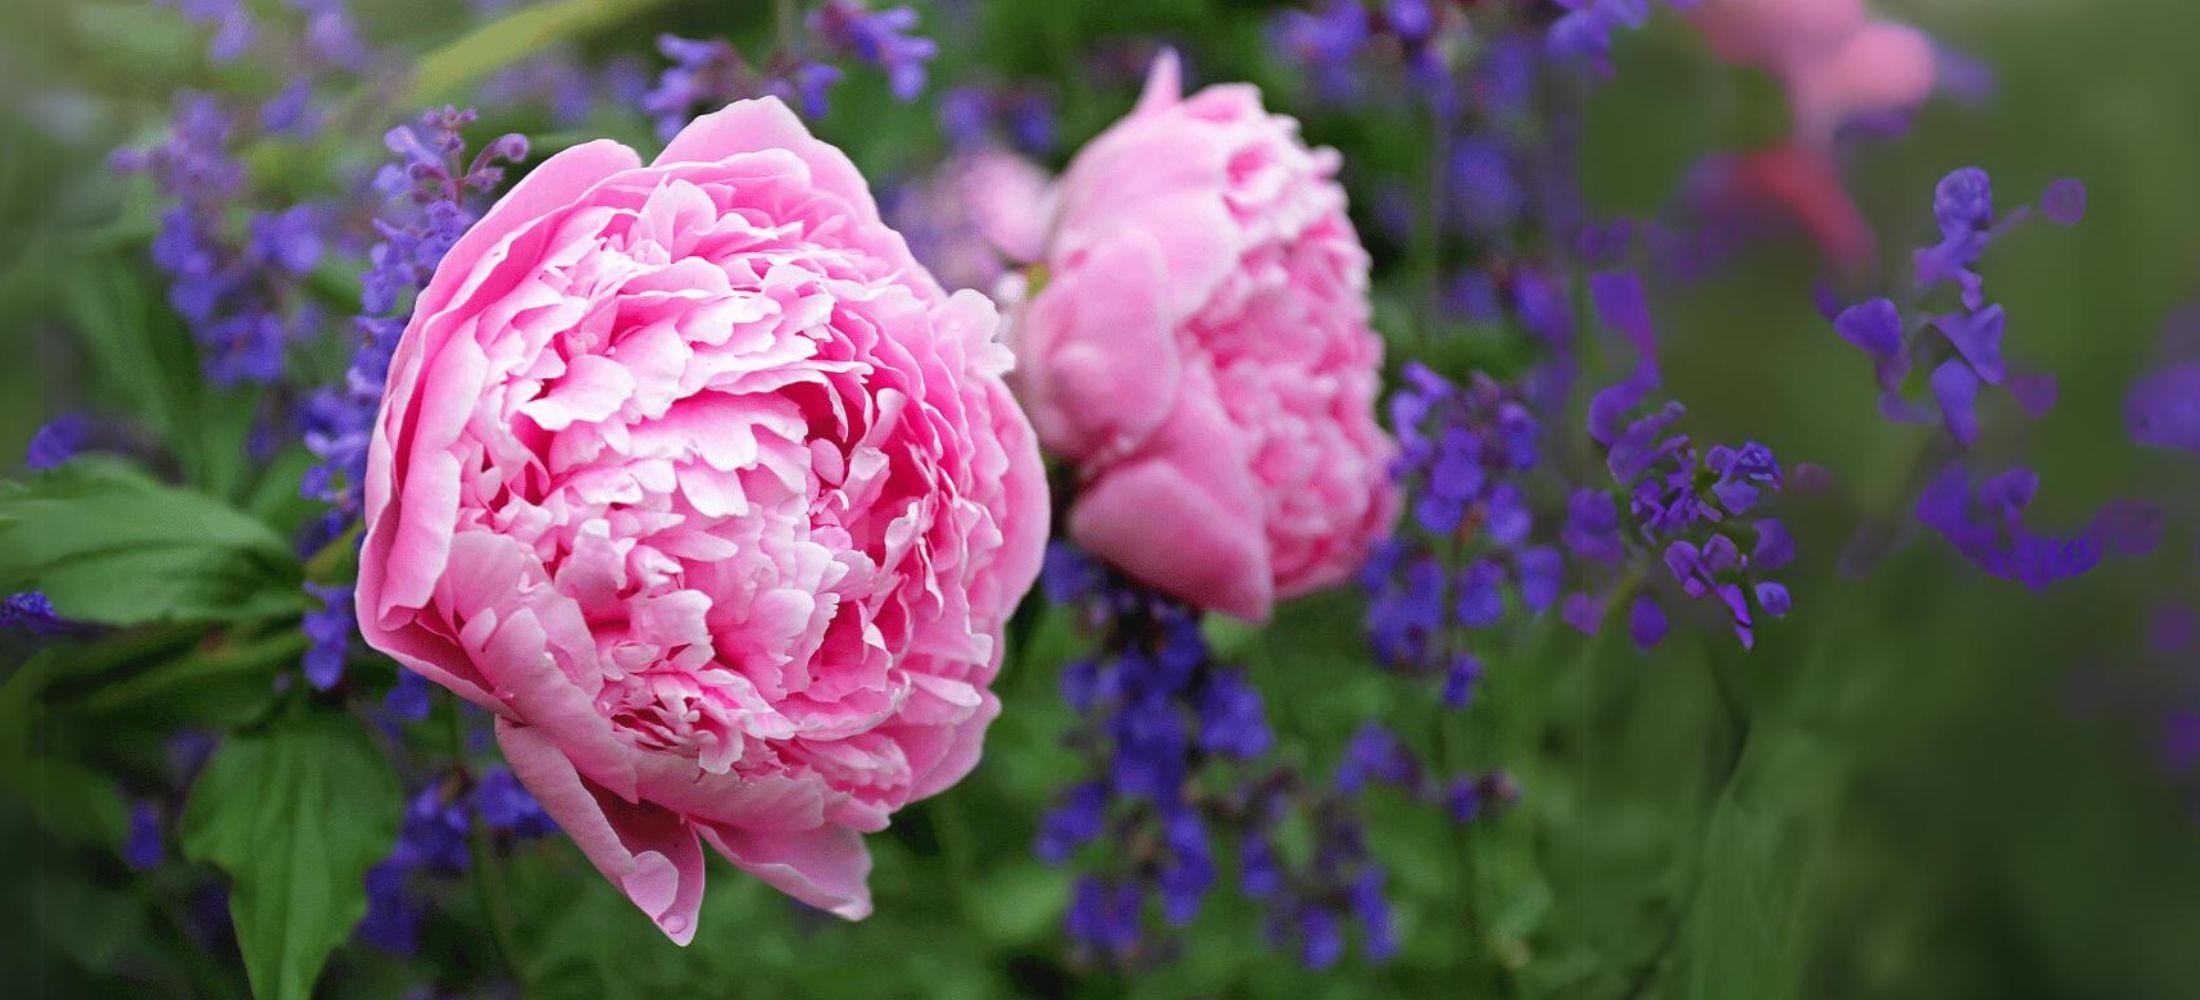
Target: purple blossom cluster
[(325, 35), (1157, 710), (239, 291), (881, 38), (236, 267), (1464, 456), (1698, 512), (432, 842), (1410, 34), (978, 116), (430, 194), (1986, 524), (1180, 743), (1584, 32), (1960, 347), (707, 73)]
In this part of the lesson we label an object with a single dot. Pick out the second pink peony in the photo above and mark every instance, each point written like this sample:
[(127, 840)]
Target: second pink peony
[(1200, 350)]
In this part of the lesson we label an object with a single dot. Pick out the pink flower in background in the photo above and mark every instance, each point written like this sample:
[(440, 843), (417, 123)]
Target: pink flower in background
[(696, 479), (1200, 349), (1839, 68)]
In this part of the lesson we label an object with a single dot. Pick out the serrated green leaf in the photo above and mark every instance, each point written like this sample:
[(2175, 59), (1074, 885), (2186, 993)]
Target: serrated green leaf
[(295, 815)]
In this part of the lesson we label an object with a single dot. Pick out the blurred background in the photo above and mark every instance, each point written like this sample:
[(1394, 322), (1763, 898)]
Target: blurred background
[(1924, 783)]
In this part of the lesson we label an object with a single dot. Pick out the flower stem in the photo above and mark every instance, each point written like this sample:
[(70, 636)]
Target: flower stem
[(489, 885), (789, 20)]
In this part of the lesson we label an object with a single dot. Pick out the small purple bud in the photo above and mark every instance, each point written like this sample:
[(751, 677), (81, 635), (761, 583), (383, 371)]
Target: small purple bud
[(2064, 202)]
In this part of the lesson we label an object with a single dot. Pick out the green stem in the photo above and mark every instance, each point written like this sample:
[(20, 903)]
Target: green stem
[(488, 874), (789, 23), (1431, 250)]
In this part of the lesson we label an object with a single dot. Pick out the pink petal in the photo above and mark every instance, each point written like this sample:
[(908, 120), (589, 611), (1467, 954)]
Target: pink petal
[(827, 867), (650, 853)]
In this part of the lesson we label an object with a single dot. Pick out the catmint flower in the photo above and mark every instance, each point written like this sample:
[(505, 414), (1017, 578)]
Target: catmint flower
[(329, 630), (1324, 42), (1584, 32), (1158, 711), (57, 442), (881, 38), (1698, 510), (232, 23), (30, 612), (1986, 524), (142, 848)]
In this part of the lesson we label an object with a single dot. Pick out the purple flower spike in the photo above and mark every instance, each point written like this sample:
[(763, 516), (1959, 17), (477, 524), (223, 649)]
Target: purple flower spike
[(1987, 526)]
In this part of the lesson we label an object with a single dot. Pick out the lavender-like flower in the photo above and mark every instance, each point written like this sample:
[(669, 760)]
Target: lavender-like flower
[(57, 442), (432, 843), (1584, 32), (1987, 526), (1698, 512), (1163, 719), (1464, 455), (1961, 352), (239, 296), (431, 192), (707, 73), (879, 37), (1158, 709), (977, 116), (31, 612)]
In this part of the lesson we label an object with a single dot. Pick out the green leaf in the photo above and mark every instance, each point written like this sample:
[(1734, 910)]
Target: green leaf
[(220, 684), (110, 546), (296, 815), (73, 802)]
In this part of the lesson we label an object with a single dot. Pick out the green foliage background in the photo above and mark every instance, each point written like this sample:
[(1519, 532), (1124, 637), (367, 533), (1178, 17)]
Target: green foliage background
[(1893, 796)]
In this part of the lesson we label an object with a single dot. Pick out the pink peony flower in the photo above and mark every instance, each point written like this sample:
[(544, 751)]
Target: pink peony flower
[(1839, 67), (696, 479), (1200, 349)]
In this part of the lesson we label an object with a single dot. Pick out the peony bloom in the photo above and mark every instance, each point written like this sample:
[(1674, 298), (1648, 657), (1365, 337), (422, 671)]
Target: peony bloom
[(1839, 67), (698, 481), (1200, 349)]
